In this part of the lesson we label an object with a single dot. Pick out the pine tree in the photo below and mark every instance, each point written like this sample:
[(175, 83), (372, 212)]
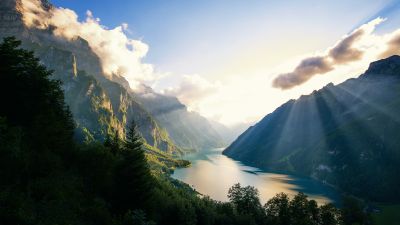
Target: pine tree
[(36, 142), (134, 180), (133, 139), (113, 143), (31, 99)]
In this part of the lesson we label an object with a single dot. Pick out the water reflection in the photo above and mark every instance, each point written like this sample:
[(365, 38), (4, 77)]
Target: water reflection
[(213, 174)]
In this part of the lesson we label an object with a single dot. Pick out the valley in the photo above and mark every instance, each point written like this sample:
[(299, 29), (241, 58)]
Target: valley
[(94, 133), (212, 174)]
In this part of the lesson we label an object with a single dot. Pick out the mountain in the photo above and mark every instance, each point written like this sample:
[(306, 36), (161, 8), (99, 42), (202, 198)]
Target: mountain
[(102, 105), (229, 134), (346, 135), (189, 130)]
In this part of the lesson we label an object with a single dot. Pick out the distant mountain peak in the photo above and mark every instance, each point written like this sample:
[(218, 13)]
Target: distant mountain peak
[(388, 66)]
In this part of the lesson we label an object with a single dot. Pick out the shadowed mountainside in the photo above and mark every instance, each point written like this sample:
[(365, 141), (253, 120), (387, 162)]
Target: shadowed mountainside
[(346, 135)]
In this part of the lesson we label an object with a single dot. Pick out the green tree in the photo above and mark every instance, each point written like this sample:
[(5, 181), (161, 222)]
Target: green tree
[(246, 200), (300, 210), (113, 143), (37, 147), (329, 215), (313, 212), (32, 100), (136, 217), (352, 212), (134, 182), (277, 210)]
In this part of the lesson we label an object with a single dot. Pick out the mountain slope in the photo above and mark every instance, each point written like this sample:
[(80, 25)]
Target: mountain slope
[(346, 135), (100, 104), (189, 130)]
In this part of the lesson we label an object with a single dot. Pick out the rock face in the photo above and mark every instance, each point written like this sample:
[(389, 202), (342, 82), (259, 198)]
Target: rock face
[(384, 67), (10, 19), (347, 135), (101, 105)]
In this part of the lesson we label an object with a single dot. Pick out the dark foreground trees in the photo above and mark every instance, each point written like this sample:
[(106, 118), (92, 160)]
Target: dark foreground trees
[(46, 178), (133, 177), (281, 210)]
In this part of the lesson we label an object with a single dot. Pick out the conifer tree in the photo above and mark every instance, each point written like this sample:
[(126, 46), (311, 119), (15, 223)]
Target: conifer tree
[(134, 180), (113, 143)]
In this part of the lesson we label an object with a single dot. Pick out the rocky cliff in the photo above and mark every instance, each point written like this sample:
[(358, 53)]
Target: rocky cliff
[(99, 105), (102, 104)]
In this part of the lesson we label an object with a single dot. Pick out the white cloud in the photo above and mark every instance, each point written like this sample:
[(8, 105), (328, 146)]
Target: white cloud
[(192, 90), (118, 54), (393, 45)]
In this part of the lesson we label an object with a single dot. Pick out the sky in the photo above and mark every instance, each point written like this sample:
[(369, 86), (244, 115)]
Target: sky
[(235, 61)]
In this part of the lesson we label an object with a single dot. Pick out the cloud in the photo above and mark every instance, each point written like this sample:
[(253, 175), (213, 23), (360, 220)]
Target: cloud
[(304, 71), (192, 90), (119, 54), (343, 52), (393, 46)]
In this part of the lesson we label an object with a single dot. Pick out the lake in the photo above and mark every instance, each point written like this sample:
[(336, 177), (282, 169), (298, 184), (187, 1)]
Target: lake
[(213, 174)]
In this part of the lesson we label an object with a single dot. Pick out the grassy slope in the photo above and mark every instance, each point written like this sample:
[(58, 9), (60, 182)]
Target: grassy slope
[(162, 162)]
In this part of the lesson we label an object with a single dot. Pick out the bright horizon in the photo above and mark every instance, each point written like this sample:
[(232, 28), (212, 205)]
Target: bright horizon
[(222, 58)]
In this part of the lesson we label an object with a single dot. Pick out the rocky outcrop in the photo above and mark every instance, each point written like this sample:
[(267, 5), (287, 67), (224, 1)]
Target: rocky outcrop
[(10, 19), (389, 67)]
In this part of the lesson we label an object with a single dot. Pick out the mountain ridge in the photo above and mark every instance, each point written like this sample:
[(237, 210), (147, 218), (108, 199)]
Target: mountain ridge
[(344, 134), (102, 105), (388, 66)]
